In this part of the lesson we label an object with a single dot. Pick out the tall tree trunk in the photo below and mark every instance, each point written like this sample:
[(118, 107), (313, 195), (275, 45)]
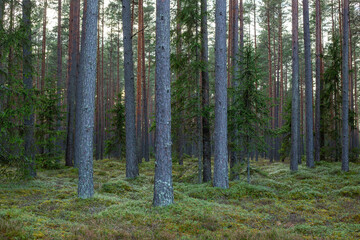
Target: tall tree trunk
[(144, 99), (43, 49), (132, 169), (98, 91), (270, 73), (318, 80), (345, 88), (2, 76), (79, 95), (308, 88), (59, 72), (72, 78), (29, 141), (221, 178), (180, 128), (234, 158), (163, 187), (139, 80), (205, 95), (86, 104), (295, 111)]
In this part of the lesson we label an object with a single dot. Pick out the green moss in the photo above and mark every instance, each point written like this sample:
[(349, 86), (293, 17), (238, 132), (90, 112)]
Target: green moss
[(117, 187), (319, 203), (349, 191)]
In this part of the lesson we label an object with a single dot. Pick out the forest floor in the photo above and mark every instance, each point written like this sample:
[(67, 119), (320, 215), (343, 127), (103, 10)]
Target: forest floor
[(320, 203)]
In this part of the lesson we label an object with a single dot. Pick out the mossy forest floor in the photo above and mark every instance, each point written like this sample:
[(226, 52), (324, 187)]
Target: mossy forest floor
[(320, 203)]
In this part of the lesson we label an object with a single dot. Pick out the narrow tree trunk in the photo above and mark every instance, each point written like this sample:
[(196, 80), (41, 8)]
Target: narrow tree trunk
[(318, 80), (59, 72), (270, 74), (43, 49), (98, 91), (221, 178), (144, 100), (138, 81), (295, 111), (72, 78), (132, 169), (27, 79), (308, 88), (205, 95), (86, 104), (163, 187), (234, 158), (345, 88)]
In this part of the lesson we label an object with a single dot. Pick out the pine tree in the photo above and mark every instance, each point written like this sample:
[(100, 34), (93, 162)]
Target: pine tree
[(163, 188)]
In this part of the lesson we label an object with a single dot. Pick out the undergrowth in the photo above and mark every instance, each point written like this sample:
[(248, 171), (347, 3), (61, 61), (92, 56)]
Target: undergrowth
[(319, 203)]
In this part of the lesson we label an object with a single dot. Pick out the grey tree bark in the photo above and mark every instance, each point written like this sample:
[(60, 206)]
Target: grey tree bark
[(163, 187), (87, 85), (345, 88), (221, 178), (295, 104), (28, 85), (308, 89), (132, 169), (318, 80), (205, 95)]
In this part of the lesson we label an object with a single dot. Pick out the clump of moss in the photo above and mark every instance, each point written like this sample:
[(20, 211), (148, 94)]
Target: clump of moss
[(118, 187), (349, 191)]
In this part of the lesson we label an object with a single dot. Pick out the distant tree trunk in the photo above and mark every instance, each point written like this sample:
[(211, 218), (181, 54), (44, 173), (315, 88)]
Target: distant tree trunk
[(308, 88), (255, 25), (180, 128), (345, 90), (145, 101), (27, 79), (295, 111), (221, 178), (72, 78), (98, 154), (138, 82), (270, 75), (132, 169), (43, 49), (205, 95), (234, 158), (59, 72), (87, 84), (318, 80), (163, 187), (281, 69), (2, 7)]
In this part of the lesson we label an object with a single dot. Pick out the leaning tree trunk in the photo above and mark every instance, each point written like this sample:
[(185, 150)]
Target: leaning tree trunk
[(308, 89), (295, 111), (132, 169), (163, 187), (87, 85), (221, 178), (28, 84), (345, 90)]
